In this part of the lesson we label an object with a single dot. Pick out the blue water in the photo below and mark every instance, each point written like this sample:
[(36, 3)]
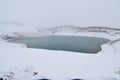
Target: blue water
[(65, 43)]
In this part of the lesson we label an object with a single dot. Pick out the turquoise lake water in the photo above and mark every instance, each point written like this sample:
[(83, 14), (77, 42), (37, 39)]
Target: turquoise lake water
[(65, 43)]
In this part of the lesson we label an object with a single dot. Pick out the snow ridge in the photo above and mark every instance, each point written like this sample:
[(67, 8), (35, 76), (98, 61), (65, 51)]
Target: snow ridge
[(17, 30)]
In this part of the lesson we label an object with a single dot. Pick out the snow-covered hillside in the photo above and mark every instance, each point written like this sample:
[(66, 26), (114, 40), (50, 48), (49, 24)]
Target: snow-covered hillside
[(9, 30), (20, 63)]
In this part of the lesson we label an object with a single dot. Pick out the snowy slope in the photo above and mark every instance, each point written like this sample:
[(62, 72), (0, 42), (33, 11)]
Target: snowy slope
[(20, 63), (59, 65), (16, 30)]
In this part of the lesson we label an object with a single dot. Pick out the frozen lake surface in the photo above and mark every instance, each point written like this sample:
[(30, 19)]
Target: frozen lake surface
[(65, 43)]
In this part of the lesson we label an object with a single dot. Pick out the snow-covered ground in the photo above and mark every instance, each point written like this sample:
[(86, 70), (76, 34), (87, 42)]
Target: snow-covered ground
[(20, 63)]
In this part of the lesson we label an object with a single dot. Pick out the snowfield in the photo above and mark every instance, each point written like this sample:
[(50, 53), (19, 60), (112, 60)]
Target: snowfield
[(17, 62)]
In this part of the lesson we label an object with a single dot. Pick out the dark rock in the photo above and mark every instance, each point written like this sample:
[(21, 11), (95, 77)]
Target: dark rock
[(43, 79), (77, 79), (1, 78), (35, 73)]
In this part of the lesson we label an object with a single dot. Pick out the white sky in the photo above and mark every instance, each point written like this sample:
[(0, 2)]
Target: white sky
[(62, 12)]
